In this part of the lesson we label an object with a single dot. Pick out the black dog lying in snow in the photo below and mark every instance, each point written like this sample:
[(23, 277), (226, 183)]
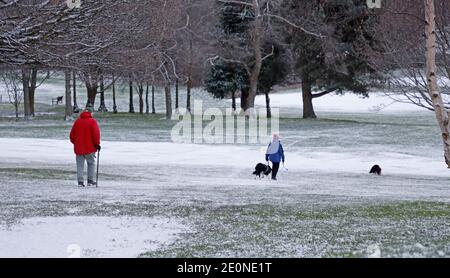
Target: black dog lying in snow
[(262, 170), (376, 170)]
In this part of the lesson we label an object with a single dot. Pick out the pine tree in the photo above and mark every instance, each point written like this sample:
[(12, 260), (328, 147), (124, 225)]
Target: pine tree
[(335, 61), (224, 79)]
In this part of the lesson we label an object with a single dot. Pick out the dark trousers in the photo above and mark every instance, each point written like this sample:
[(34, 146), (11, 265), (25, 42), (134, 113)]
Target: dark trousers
[(275, 168)]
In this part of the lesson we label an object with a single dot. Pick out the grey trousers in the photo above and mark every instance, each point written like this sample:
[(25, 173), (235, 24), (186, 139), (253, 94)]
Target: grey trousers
[(90, 159)]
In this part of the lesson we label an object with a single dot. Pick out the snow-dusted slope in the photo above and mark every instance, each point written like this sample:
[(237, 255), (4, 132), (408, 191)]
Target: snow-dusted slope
[(377, 102), (48, 152)]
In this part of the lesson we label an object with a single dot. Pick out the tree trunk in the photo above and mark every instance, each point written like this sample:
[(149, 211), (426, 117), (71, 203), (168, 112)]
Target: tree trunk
[(16, 108), (308, 107), (26, 92), (188, 94), (153, 100), (168, 102), (442, 115), (233, 101), (189, 81), (114, 95), (269, 110), (252, 92), (147, 108), (92, 94), (74, 84), (141, 98), (33, 84), (16, 103), (177, 95), (68, 96), (131, 108), (102, 107), (244, 98), (257, 55)]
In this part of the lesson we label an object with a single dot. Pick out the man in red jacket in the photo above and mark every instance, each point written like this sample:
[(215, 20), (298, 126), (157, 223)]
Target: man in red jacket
[(85, 136)]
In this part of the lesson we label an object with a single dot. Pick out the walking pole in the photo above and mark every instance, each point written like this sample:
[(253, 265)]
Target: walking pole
[(98, 164)]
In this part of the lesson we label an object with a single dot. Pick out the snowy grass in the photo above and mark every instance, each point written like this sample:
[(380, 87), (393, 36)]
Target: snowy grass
[(45, 174), (314, 228), (339, 215), (416, 130), (118, 127), (235, 217)]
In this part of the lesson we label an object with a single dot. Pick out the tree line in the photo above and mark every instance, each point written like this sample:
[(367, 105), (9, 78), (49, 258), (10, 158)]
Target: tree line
[(235, 49)]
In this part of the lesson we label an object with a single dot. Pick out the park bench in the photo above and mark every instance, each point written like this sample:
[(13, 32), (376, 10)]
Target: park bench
[(58, 100)]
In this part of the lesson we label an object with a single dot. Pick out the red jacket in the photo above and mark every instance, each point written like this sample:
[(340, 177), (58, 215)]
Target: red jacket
[(85, 134)]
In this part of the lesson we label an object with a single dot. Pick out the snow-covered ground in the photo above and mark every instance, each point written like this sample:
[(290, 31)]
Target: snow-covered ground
[(151, 154), (82, 237), (377, 102), (163, 199)]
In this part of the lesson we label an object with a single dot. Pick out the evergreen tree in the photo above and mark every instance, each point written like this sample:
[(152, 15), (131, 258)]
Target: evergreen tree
[(273, 71), (224, 79), (335, 61), (238, 65)]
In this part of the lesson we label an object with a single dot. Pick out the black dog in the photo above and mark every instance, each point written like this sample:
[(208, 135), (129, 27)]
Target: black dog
[(262, 169), (376, 170)]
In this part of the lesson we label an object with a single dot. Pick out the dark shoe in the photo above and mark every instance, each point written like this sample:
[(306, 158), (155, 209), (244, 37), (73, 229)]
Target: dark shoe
[(92, 183), (274, 179), (81, 184)]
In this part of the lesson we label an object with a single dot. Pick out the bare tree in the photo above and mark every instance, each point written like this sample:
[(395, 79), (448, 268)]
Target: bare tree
[(50, 34), (442, 114), (194, 44), (146, 54), (416, 63), (403, 62), (12, 81)]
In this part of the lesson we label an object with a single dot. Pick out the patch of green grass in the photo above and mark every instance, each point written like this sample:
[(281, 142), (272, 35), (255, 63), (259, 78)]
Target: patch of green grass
[(407, 210), (265, 230), (12, 212), (411, 133), (48, 174), (34, 173)]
